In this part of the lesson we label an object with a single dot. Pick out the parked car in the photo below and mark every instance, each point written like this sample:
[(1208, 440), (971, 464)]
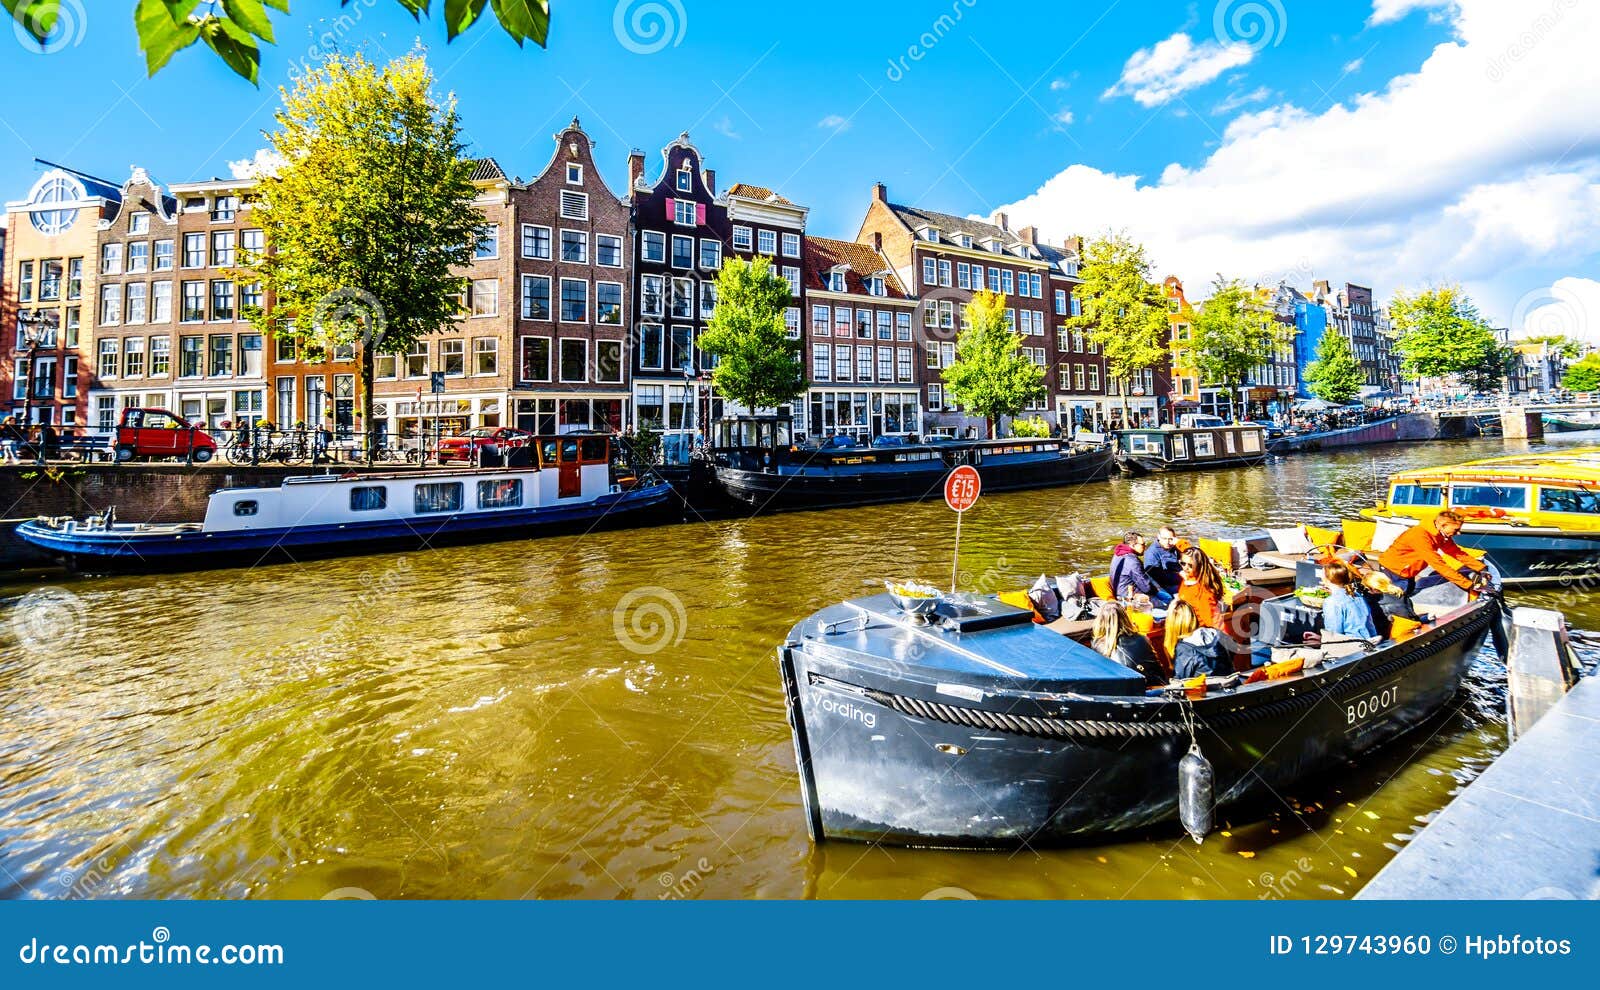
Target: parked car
[(466, 447), (160, 433), (1274, 431)]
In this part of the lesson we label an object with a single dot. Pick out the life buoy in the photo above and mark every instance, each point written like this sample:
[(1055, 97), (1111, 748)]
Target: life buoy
[(1481, 513)]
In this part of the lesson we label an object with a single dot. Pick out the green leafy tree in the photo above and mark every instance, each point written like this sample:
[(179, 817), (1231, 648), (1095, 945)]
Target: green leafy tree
[(1123, 312), (991, 376), (235, 29), (758, 364), (1438, 333), (1560, 345), (1335, 376), (1235, 333), (370, 217), (1034, 426), (1583, 376)]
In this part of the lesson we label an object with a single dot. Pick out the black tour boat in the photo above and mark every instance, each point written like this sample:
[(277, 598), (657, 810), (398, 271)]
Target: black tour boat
[(971, 725), (1190, 447)]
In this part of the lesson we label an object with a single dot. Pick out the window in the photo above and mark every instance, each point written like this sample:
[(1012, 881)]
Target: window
[(651, 345), (535, 242), (74, 324), (488, 246), (842, 317), (417, 360), (886, 364), (139, 223), (930, 271), (682, 251), (369, 498), (608, 250), (741, 238), (110, 260), (535, 297), (574, 360), (791, 322), (222, 244), (864, 364), (485, 297), (651, 291), (1061, 302), (250, 296), (653, 246), (821, 317), (1569, 500), (221, 300), (221, 356), (1006, 284), (223, 208), (685, 181), (160, 356), (791, 274), (791, 245), (574, 300), (682, 355), (683, 298), (902, 363), (138, 296), (944, 273), (608, 361), (843, 363), (684, 213), (575, 247), (442, 496), (1094, 378), (503, 493), (836, 281), (110, 305), (574, 205), (994, 280), (452, 358), (69, 378), (246, 507), (963, 275), (710, 254), (766, 242), (902, 325), (935, 396), (536, 359), (75, 278), (189, 357), (138, 262), (110, 353), (1489, 496), (194, 250), (254, 244), (161, 302), (821, 366), (608, 303), (485, 355), (876, 287), (163, 256)]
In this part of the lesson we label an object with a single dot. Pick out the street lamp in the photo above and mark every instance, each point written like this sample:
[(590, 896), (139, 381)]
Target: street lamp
[(37, 326)]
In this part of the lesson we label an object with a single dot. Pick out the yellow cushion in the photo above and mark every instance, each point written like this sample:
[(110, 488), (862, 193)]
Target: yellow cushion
[(1016, 599), (1101, 586), (1220, 552), (1320, 537), (1403, 628), (1358, 534)]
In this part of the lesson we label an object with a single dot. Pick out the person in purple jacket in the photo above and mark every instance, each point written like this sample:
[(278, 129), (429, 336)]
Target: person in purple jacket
[(1128, 577)]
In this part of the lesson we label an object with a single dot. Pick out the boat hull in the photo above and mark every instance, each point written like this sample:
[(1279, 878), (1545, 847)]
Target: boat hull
[(897, 763), (1136, 465), (124, 551), (1528, 558), (834, 488)]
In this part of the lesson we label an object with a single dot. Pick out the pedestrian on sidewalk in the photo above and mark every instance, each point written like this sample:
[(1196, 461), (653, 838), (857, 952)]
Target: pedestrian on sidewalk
[(11, 438)]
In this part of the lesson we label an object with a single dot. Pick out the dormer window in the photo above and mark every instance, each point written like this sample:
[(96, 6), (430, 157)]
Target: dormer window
[(928, 233), (685, 180), (992, 244), (965, 240), (223, 208), (574, 174), (875, 286), (836, 281)]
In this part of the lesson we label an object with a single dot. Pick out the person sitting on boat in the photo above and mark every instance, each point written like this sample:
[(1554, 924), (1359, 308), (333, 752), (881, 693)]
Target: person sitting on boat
[(1128, 578), (1431, 545), (1202, 588), (1386, 601), (1345, 614), (1196, 650), (1161, 561), (1116, 638)]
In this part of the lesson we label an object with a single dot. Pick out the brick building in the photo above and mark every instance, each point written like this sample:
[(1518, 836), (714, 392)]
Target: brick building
[(762, 224)]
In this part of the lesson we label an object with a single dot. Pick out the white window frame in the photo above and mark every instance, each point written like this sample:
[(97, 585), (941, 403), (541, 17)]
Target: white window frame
[(791, 245), (576, 198), (583, 241), (767, 242), (549, 240), (742, 237), (621, 258), (570, 180), (560, 301)]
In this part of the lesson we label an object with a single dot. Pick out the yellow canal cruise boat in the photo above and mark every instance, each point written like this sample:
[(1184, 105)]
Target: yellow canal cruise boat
[(1536, 515)]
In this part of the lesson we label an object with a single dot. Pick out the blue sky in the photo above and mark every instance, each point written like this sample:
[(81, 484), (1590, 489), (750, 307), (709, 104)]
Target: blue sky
[(959, 105)]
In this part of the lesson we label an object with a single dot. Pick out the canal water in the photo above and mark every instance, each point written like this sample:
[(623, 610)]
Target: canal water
[(601, 717)]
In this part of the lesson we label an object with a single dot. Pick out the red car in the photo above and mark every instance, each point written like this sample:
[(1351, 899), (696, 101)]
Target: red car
[(495, 439), (159, 433)]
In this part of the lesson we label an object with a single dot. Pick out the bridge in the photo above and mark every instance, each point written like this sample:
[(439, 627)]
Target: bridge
[(1517, 422)]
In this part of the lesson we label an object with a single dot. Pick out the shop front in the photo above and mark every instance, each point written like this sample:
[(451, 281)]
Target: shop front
[(601, 412), (862, 414)]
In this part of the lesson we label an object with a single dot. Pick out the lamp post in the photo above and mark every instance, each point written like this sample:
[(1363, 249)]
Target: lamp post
[(37, 326)]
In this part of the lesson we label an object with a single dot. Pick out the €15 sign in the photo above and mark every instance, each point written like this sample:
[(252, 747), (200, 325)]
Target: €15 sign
[(961, 490)]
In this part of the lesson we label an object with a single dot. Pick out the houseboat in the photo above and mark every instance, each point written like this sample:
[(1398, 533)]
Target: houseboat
[(1196, 443), (845, 471), (569, 483), (960, 721), (1536, 515)]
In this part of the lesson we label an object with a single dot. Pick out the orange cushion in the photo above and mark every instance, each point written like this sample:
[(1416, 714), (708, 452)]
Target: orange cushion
[(1220, 552), (1016, 599), (1101, 586), (1403, 628)]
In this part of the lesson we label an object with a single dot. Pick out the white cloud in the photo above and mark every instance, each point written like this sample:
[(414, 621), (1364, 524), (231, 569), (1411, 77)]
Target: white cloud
[(264, 162), (1063, 118), (1388, 11), (1402, 186), (834, 122), (726, 129), (1234, 101), (1570, 306), (1154, 75), (1353, 66), (1057, 85)]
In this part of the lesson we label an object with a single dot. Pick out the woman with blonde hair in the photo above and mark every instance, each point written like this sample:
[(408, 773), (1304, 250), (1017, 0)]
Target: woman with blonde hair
[(1196, 650), (1202, 587), (1116, 638)]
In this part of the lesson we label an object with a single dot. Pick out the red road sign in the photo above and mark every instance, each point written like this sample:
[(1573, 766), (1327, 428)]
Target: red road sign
[(962, 487)]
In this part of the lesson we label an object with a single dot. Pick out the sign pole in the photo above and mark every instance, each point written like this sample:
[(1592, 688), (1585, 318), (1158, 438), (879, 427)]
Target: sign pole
[(955, 565), (961, 490)]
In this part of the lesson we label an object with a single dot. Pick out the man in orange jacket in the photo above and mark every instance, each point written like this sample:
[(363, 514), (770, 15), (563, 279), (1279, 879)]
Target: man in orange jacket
[(1426, 545)]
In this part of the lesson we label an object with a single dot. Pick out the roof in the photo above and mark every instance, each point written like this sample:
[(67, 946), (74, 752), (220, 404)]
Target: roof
[(747, 191), (823, 254), (486, 170), (948, 224), (1056, 255), (1579, 464)]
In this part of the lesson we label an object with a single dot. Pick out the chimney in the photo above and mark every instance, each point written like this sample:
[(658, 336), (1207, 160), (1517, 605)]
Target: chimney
[(879, 193), (711, 180), (1029, 235), (635, 167), (1002, 221), (877, 238)]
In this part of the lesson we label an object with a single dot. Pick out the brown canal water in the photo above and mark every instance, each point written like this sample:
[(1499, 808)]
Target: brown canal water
[(601, 717)]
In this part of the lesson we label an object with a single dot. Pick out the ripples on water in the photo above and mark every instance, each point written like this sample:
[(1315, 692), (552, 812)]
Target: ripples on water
[(484, 722)]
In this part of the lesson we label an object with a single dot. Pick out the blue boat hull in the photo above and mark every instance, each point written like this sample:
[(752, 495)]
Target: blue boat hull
[(1538, 558), (103, 552)]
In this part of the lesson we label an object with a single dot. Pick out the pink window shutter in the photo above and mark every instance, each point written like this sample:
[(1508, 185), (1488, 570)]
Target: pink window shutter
[(672, 207), (700, 214)]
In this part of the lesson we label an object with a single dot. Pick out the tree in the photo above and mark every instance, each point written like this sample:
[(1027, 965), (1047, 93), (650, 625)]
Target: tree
[(991, 376), (1559, 343), (758, 364), (1234, 333), (233, 28), (369, 218), (1438, 333), (1123, 313), (1335, 376), (1583, 376)]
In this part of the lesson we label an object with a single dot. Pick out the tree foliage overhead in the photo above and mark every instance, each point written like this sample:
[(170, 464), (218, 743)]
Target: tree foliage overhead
[(1583, 376), (758, 363), (1123, 313), (991, 377), (1438, 333), (1335, 376), (1235, 333), (235, 29), (370, 217)]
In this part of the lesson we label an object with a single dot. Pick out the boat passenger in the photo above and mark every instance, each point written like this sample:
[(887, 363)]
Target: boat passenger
[(1386, 601), (1196, 650), (1128, 579), (1424, 546), (1202, 587), (1161, 561), (1116, 638), (1344, 612)]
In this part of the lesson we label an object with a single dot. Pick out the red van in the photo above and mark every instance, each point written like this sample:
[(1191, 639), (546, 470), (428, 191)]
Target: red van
[(159, 433)]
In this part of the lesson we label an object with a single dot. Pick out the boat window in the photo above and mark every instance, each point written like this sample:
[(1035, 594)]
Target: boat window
[(246, 508), (1489, 496), (1252, 442), (1138, 443), (444, 496), (500, 494), (1180, 452), (547, 451), (1227, 442), (1417, 495), (1203, 445), (1569, 500), (569, 451), (594, 450), (368, 498)]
